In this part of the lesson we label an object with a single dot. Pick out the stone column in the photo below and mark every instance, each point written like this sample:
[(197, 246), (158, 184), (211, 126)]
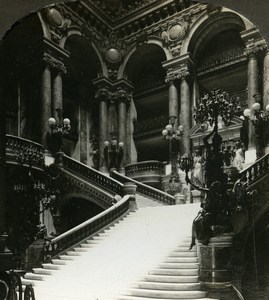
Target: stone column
[(252, 90), (173, 100), (122, 98), (102, 96), (266, 94), (57, 92), (185, 115)]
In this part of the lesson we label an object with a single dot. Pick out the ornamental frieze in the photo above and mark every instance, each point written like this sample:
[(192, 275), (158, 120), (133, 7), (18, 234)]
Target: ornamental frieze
[(182, 73)]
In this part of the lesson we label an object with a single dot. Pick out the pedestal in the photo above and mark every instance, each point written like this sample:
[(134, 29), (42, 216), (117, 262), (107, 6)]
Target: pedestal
[(197, 196), (129, 188), (215, 273), (34, 255), (180, 199)]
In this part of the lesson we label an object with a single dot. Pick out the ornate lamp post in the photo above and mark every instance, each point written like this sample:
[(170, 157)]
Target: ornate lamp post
[(58, 130), (173, 136), (113, 152), (259, 120)]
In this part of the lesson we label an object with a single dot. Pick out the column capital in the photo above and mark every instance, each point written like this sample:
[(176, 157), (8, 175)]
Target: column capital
[(54, 56), (102, 94), (254, 42), (179, 67)]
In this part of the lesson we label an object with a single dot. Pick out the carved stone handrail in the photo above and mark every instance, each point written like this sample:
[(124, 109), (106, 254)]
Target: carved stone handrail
[(146, 189), (84, 230), (92, 175), (30, 152), (77, 185), (257, 170), (152, 166)]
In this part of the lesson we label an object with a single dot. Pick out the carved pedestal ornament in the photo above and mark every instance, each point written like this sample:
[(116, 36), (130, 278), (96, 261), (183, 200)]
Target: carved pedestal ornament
[(174, 33), (57, 23), (113, 50)]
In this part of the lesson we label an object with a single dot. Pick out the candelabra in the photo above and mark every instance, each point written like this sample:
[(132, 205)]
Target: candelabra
[(113, 152), (173, 136), (259, 120), (186, 163), (216, 104), (58, 130)]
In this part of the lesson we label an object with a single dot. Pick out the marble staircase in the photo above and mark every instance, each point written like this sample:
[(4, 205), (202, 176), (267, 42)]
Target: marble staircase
[(142, 256)]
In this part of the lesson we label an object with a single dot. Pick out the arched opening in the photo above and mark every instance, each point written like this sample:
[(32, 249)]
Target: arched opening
[(218, 50), (78, 97), (75, 211), (21, 87), (255, 280), (145, 71)]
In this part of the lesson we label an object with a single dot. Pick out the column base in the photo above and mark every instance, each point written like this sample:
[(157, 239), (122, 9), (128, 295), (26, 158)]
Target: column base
[(220, 291), (180, 199), (48, 158)]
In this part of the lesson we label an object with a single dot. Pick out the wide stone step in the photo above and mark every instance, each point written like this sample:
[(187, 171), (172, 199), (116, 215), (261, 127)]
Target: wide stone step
[(43, 271), (167, 294), (168, 286), (32, 276), (183, 254), (66, 257), (172, 279), (86, 245), (73, 253), (28, 281), (49, 266), (179, 265), (126, 297), (181, 260), (58, 261), (178, 272), (80, 249)]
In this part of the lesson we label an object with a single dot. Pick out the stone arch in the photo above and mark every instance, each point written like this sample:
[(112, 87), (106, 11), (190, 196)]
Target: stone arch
[(81, 196), (75, 30), (205, 27), (152, 40)]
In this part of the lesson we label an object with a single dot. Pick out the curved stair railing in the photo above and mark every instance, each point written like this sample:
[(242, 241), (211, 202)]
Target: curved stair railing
[(256, 171), (92, 191), (146, 189), (92, 175), (84, 230)]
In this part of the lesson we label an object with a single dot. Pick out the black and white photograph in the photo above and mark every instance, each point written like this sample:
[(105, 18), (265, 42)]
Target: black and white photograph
[(134, 150)]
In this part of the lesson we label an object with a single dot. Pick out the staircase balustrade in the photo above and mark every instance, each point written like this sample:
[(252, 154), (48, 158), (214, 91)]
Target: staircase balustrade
[(92, 175), (146, 190), (74, 183), (27, 151), (257, 170), (145, 167), (84, 230)]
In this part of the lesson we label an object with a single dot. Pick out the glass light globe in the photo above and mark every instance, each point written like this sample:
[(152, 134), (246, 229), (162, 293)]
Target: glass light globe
[(242, 118), (247, 112), (51, 122), (121, 144), (169, 127), (106, 143), (256, 106), (267, 107), (114, 142), (66, 122), (180, 128), (164, 132)]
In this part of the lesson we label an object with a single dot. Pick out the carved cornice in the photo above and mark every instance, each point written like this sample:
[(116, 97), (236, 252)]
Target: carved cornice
[(54, 56), (178, 68), (254, 41)]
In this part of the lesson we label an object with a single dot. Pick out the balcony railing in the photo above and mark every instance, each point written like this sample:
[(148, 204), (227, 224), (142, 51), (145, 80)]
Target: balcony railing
[(84, 230), (146, 190), (149, 124), (256, 171), (28, 152), (92, 175), (145, 167), (222, 58)]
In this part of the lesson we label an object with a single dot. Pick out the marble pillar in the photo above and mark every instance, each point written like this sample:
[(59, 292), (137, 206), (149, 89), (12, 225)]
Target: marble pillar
[(57, 93), (266, 95), (173, 101), (253, 73), (45, 104), (185, 115), (122, 128), (103, 125)]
